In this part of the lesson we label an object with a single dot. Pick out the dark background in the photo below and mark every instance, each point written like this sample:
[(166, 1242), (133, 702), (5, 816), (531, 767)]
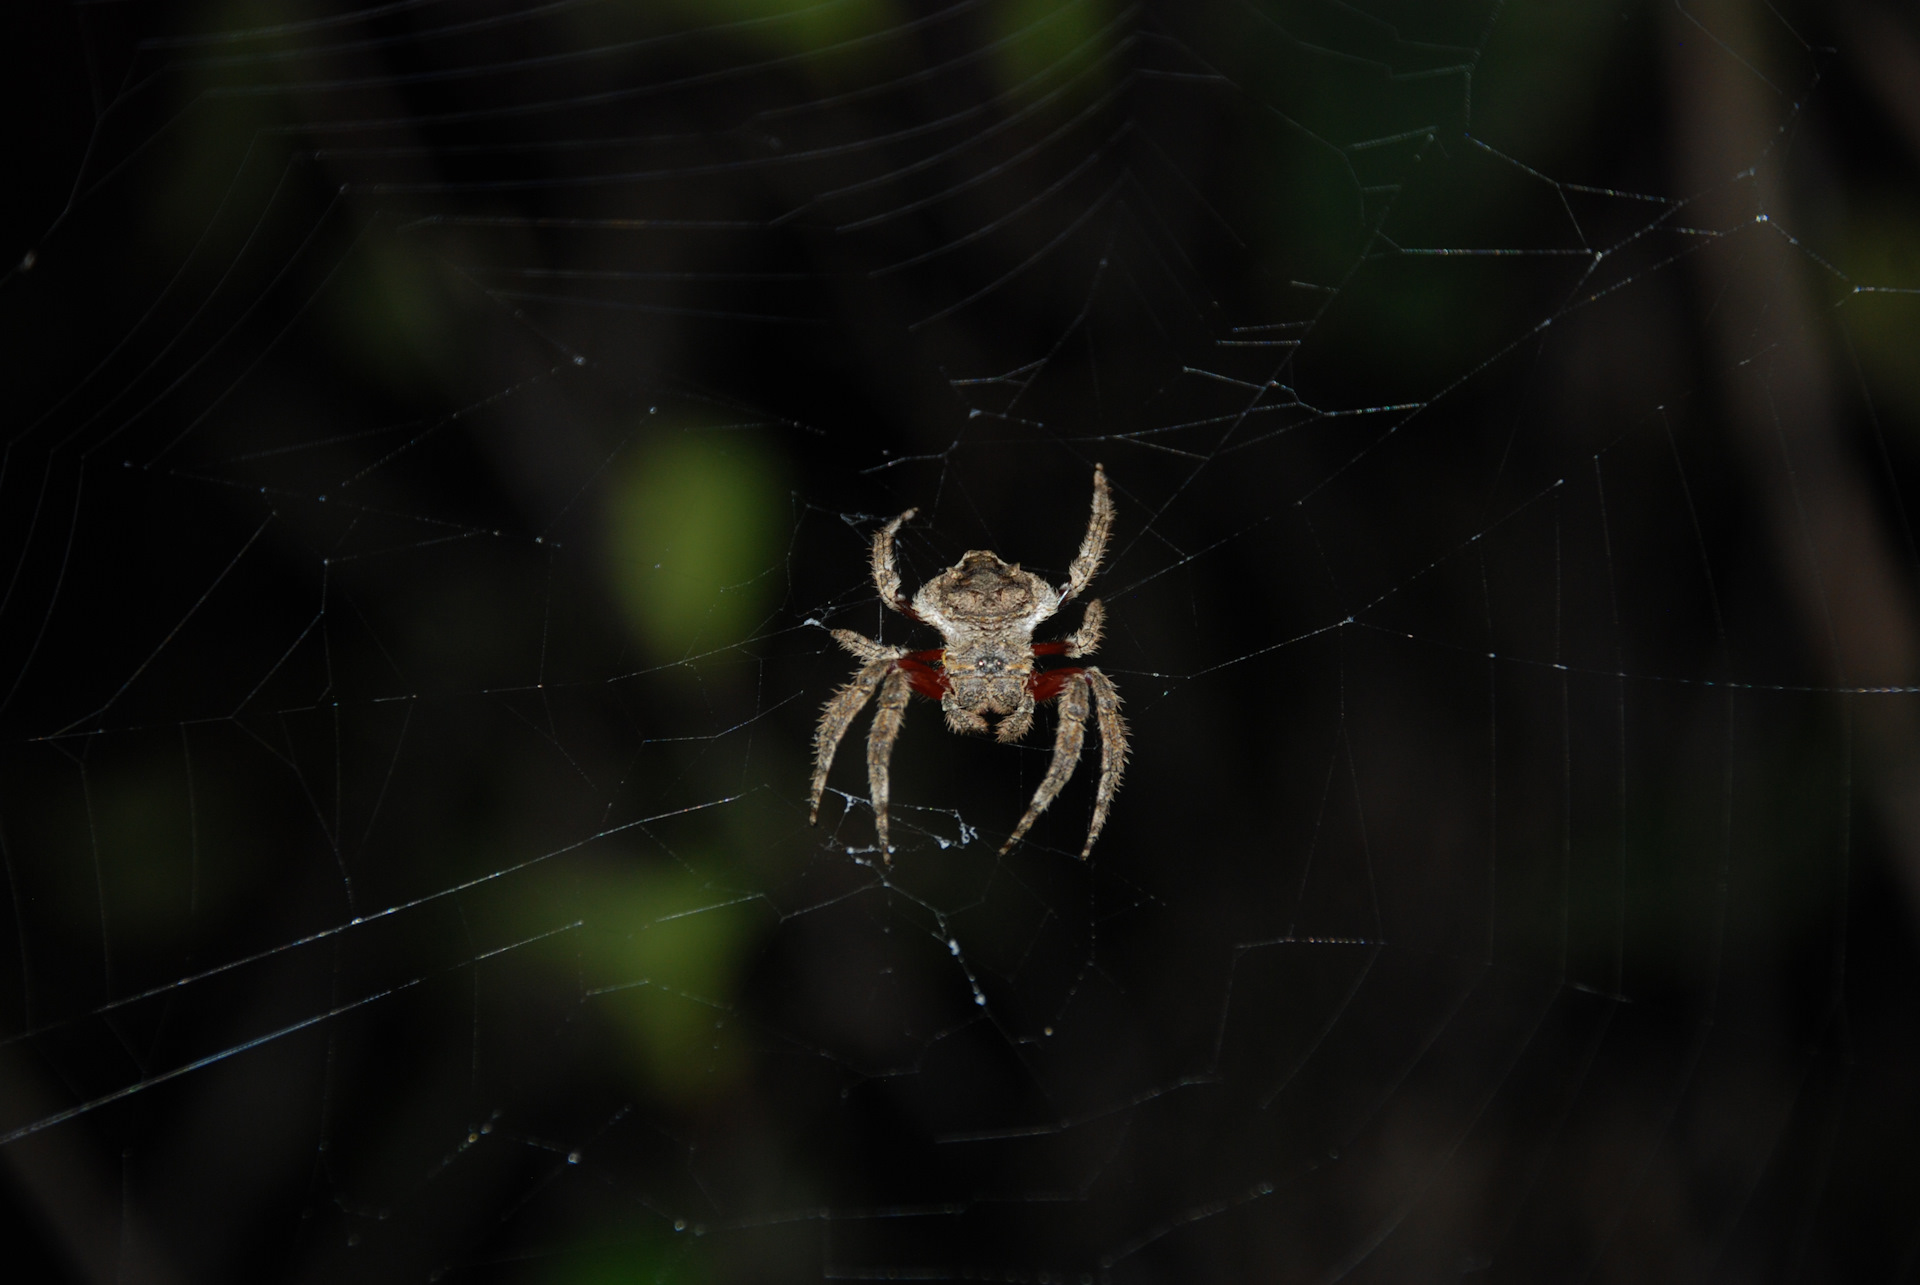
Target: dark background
[(438, 432)]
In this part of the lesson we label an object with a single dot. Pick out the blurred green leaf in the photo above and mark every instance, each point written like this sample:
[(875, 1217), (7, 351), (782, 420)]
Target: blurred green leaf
[(662, 951), (655, 1262), (697, 522)]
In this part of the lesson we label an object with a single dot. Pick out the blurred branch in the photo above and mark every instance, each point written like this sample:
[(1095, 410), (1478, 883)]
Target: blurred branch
[(1856, 614)]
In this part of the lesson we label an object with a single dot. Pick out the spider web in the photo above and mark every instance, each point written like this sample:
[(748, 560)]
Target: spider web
[(442, 434)]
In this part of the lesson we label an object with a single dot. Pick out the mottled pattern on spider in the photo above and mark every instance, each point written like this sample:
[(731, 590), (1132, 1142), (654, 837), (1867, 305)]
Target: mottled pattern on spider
[(987, 611)]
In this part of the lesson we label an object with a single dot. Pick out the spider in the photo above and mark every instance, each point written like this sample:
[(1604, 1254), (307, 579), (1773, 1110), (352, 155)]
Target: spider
[(986, 610)]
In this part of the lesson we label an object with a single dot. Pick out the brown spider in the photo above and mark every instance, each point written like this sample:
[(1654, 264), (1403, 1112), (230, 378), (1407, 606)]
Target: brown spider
[(987, 611)]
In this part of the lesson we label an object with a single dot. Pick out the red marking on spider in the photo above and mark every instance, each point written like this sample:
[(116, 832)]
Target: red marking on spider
[(1048, 684), (927, 679)]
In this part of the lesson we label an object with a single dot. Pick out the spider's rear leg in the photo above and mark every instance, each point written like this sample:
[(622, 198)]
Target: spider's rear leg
[(889, 713), (1080, 642), (894, 673), (1071, 687), (843, 707), (1076, 689), (1113, 750)]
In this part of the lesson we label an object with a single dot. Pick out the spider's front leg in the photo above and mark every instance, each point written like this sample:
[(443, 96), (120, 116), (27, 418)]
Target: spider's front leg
[(886, 571), (1093, 546)]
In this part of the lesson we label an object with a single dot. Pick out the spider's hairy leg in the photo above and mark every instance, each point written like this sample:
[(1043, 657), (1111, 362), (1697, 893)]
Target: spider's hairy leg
[(963, 722), (841, 709), (886, 573), (1015, 725), (1066, 752), (1085, 640), (1113, 750), (1094, 546), (866, 648), (888, 715)]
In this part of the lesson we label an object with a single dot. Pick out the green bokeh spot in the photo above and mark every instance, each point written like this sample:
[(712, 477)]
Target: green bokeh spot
[(390, 315), (1048, 43), (698, 525), (661, 950), (827, 36), (803, 25), (1884, 253), (661, 1262)]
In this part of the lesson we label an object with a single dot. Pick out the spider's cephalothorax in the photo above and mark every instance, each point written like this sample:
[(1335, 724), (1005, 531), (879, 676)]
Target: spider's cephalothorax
[(986, 610)]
